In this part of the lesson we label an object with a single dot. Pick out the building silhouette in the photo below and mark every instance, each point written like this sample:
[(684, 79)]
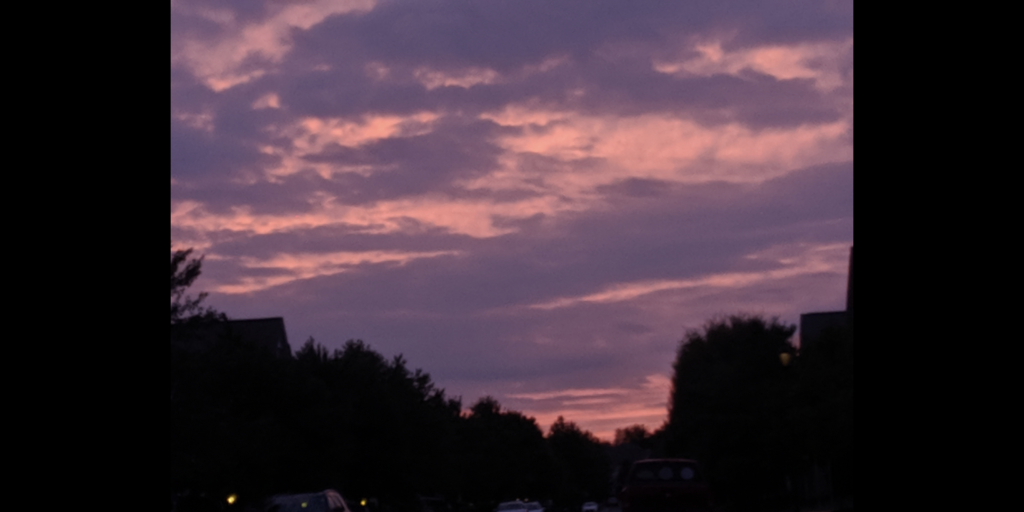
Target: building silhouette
[(268, 333), (813, 324), (827, 482)]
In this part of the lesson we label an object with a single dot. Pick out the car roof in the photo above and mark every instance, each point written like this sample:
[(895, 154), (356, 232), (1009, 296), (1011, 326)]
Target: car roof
[(328, 498), (665, 460)]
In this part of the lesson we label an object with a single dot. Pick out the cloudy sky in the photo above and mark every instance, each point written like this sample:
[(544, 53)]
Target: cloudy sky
[(528, 199)]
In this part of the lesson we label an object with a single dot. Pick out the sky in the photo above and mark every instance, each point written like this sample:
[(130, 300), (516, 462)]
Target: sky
[(532, 200)]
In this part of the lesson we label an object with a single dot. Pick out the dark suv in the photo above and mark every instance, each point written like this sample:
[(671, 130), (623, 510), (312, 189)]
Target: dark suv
[(660, 485)]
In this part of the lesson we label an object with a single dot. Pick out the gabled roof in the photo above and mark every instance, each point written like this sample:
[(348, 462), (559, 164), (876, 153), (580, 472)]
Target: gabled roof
[(265, 332)]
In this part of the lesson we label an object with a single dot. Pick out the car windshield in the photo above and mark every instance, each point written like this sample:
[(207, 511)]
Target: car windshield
[(665, 471), (313, 502)]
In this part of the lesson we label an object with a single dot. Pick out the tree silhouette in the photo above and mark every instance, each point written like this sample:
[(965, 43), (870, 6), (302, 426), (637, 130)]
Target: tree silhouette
[(582, 464), (505, 455), (731, 404), (184, 271), (636, 434)]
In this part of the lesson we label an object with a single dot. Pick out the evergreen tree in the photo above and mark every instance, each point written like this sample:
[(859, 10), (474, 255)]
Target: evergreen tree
[(184, 271)]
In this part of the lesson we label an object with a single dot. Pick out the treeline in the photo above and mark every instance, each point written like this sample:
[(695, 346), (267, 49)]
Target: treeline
[(247, 422), (772, 425)]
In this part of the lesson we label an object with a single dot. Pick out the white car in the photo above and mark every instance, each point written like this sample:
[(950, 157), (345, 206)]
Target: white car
[(512, 506), (590, 506)]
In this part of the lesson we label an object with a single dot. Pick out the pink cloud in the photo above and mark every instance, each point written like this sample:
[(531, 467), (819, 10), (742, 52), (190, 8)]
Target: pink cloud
[(601, 411), (220, 63)]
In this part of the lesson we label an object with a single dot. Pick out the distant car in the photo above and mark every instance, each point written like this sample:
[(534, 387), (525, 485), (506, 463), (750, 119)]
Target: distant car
[(326, 501), (665, 484), (433, 504), (590, 506), (512, 506)]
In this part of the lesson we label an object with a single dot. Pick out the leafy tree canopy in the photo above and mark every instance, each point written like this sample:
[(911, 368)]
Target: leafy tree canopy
[(635, 434), (581, 462), (184, 271), (730, 404)]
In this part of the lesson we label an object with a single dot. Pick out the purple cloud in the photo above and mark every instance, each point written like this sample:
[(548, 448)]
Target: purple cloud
[(528, 199)]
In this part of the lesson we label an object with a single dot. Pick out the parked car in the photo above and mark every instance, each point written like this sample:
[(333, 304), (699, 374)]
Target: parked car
[(534, 506), (433, 504), (512, 506), (326, 501), (590, 506), (665, 484)]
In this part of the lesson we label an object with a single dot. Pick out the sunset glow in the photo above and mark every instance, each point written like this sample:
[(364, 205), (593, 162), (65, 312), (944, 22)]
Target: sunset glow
[(532, 204)]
